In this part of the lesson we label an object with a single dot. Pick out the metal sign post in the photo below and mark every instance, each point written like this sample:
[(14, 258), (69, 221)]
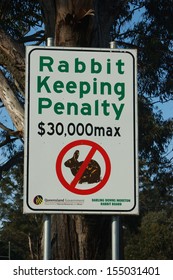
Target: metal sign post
[(115, 238), (47, 217), (115, 219), (47, 237)]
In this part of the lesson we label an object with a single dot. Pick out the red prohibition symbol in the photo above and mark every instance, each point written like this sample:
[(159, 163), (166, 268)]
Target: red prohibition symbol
[(73, 185)]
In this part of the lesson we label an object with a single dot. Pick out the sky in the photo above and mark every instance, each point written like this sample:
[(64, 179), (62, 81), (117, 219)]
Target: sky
[(166, 108)]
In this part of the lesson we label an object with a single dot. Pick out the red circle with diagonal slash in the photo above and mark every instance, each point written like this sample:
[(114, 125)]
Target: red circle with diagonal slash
[(72, 187)]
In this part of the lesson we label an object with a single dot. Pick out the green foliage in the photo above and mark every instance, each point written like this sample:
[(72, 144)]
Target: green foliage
[(18, 17), (150, 235), (23, 231), (154, 240), (155, 176), (152, 35)]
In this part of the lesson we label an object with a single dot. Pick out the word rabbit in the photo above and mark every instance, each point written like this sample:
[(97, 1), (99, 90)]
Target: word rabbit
[(91, 173)]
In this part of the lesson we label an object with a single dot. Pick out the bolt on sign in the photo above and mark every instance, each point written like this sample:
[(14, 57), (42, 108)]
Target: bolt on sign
[(81, 131)]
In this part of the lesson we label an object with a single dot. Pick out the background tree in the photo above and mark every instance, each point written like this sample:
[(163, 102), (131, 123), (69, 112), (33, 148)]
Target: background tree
[(155, 240), (24, 232), (89, 23)]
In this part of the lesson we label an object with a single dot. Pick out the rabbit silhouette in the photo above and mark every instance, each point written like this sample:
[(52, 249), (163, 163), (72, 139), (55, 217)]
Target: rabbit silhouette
[(91, 173)]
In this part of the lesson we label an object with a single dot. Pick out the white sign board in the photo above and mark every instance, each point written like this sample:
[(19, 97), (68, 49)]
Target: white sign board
[(81, 131)]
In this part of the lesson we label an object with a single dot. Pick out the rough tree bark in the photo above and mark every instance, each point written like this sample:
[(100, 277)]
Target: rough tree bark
[(12, 58), (10, 101), (73, 23), (80, 23)]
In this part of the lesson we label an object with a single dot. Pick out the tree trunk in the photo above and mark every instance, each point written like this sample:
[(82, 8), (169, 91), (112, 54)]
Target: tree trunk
[(30, 246), (80, 23), (12, 104), (73, 23), (81, 237), (12, 56)]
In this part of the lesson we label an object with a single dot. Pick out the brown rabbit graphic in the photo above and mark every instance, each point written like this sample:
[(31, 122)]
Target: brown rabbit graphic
[(91, 173)]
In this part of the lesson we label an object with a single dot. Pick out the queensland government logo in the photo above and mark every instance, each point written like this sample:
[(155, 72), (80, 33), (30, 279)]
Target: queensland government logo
[(38, 200)]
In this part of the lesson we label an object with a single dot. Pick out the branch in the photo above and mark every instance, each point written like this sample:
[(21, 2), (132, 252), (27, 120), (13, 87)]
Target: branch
[(15, 134), (12, 56), (7, 141), (38, 36), (17, 158), (10, 131), (127, 45), (162, 102), (12, 104)]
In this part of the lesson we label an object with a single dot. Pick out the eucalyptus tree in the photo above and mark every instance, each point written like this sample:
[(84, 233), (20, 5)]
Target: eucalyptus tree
[(142, 24)]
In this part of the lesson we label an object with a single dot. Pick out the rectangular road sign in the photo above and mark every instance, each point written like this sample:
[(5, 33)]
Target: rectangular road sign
[(81, 131)]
